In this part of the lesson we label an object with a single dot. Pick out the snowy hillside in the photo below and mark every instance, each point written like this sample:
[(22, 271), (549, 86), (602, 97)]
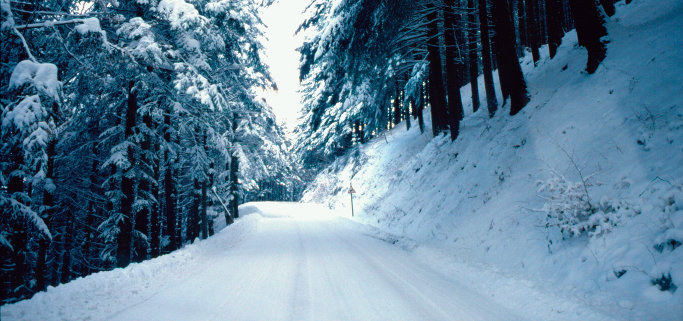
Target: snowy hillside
[(581, 194)]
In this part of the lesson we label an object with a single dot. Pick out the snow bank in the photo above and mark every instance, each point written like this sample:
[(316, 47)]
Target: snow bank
[(607, 147), (82, 299)]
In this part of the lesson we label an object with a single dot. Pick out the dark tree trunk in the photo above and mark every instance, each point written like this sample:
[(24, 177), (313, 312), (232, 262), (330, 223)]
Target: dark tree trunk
[(521, 20), (360, 134), (509, 71), (16, 266), (608, 5), (48, 203), (92, 212), (473, 57), (397, 103), (89, 239), (589, 19), (406, 105), (19, 239), (436, 89), (155, 221), (124, 238), (193, 215), (234, 171), (407, 113), (491, 100), (419, 109), (234, 186), (142, 217), (66, 251), (202, 214), (453, 69), (554, 22), (567, 17), (41, 266), (542, 23), (169, 208), (533, 29)]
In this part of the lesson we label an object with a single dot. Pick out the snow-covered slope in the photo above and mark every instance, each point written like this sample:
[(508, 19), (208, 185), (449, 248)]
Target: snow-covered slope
[(607, 146)]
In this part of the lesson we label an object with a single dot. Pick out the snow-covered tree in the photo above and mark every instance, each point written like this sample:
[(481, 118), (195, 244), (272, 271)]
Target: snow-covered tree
[(157, 108)]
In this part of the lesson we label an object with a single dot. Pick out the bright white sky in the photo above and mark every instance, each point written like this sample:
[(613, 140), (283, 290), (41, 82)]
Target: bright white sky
[(282, 19)]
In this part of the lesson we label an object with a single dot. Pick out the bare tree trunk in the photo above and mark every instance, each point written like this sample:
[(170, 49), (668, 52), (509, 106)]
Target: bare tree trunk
[(397, 103), (203, 217), (234, 171), (419, 108), (142, 217), (436, 89), (509, 71), (48, 203), (155, 222), (473, 57), (608, 5), (589, 19), (491, 100), (554, 21), (124, 238), (533, 31), (453, 69), (66, 253)]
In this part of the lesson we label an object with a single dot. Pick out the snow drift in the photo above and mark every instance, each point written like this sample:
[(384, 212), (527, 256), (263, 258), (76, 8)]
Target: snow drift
[(580, 194)]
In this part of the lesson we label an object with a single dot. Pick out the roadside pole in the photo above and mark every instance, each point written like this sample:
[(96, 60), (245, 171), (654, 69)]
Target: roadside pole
[(351, 192)]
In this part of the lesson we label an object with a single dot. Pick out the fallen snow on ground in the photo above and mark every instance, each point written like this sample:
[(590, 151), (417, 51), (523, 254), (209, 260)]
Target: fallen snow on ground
[(499, 199), (291, 261), (102, 295)]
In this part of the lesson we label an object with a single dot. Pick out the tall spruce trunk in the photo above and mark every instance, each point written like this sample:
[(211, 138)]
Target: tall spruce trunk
[(170, 214), (511, 78), (397, 103), (155, 222), (406, 107), (453, 69), (202, 214), (491, 100), (522, 26), (93, 210), (608, 6), (65, 276), (553, 13), (193, 215), (436, 89), (589, 20), (48, 203), (142, 217), (472, 53), (419, 109), (234, 178), (124, 238), (533, 29)]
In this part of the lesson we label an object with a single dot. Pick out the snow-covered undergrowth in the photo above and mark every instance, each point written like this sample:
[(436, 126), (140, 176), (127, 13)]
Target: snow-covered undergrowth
[(580, 194), (82, 299)]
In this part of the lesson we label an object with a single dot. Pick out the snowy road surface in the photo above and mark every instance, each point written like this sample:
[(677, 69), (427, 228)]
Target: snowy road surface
[(299, 265), (290, 261)]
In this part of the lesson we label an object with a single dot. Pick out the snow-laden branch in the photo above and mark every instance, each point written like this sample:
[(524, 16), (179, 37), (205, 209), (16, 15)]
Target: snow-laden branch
[(48, 24)]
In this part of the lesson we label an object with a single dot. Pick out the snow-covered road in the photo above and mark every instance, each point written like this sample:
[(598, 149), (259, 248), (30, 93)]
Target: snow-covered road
[(302, 265), (292, 261)]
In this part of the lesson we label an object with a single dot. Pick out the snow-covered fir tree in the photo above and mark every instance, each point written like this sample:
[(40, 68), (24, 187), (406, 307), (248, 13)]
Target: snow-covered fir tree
[(118, 114)]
